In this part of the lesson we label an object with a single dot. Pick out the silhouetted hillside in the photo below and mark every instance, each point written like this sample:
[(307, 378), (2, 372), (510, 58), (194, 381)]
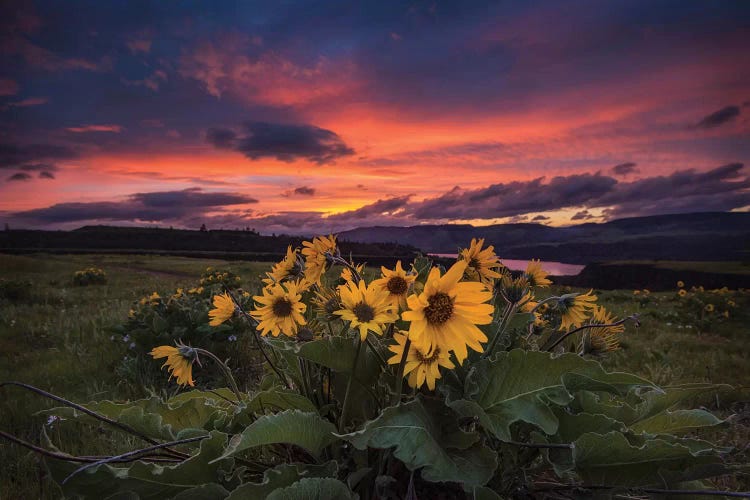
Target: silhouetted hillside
[(701, 236)]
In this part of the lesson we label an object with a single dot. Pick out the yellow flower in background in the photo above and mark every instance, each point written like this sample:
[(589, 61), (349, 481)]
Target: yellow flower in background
[(179, 362), (315, 256), (446, 313), (327, 302), (397, 283), (731, 303), (280, 309), (603, 339), (725, 314), (636, 292), (347, 275), (646, 291), (709, 308), (223, 309), (680, 284), (481, 264), (365, 307), (682, 292), (574, 309), (420, 367), (535, 275), (284, 270)]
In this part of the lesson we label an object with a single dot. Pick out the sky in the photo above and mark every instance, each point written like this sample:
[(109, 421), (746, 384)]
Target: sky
[(314, 117)]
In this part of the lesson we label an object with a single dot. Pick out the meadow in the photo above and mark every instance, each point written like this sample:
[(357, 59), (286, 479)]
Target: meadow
[(59, 337)]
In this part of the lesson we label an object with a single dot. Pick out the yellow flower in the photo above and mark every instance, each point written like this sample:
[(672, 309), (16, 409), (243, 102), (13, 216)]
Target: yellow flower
[(285, 269), (535, 275), (315, 256), (420, 367), (725, 314), (365, 307), (397, 283), (223, 309), (280, 309), (731, 303), (327, 302), (709, 308), (682, 292), (179, 362), (680, 284), (574, 308), (646, 291), (347, 275), (481, 264), (636, 292), (446, 313), (602, 339), (154, 297)]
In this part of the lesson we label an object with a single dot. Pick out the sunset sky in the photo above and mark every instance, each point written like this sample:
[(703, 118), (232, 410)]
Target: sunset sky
[(309, 117)]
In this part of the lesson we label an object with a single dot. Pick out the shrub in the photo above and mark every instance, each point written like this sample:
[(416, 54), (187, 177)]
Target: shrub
[(90, 276)]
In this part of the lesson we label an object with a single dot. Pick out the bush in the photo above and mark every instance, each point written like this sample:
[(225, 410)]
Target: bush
[(90, 276)]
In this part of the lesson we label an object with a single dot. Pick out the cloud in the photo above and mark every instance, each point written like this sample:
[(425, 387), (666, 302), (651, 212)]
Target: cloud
[(46, 175), (8, 87), (624, 169), (152, 81), (720, 117), (13, 155), (540, 218), (145, 207), (20, 176), (36, 167), (304, 191), (139, 44), (389, 207), (515, 198), (582, 215), (25, 103), (285, 142), (82, 129)]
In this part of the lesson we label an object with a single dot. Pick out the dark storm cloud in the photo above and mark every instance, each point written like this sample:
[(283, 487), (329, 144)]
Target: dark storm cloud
[(194, 197), (285, 142), (514, 198), (46, 175), (720, 117), (304, 191), (625, 168), (20, 176), (13, 155), (149, 207)]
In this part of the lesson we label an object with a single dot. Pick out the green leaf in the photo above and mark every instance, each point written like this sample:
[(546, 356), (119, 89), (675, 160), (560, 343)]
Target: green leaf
[(523, 386), (611, 459), (282, 476), (279, 400), (314, 489), (676, 422), (210, 491), (426, 435), (147, 480), (304, 429)]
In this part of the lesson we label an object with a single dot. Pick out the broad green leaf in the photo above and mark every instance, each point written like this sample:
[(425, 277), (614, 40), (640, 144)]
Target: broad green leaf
[(611, 459), (425, 435), (282, 476), (304, 429), (147, 480), (523, 385), (314, 489), (641, 405), (210, 491), (676, 422), (279, 400)]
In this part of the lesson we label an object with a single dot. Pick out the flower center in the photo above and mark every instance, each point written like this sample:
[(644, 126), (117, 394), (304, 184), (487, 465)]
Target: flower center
[(364, 312), (428, 360), (440, 309), (282, 307), (397, 285)]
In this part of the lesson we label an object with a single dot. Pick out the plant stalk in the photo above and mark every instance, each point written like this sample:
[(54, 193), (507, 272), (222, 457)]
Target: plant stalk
[(347, 394), (500, 329), (400, 372), (225, 370)]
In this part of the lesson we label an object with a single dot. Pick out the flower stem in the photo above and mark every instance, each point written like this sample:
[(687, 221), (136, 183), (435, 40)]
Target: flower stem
[(345, 407), (509, 310), (225, 369), (381, 360), (400, 373)]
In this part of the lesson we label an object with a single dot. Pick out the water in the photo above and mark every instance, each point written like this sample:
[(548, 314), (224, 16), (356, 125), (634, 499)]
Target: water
[(553, 268)]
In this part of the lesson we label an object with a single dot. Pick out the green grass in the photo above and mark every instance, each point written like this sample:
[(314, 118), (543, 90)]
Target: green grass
[(57, 338), (742, 268)]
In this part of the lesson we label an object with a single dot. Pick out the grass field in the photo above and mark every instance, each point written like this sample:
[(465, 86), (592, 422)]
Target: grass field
[(57, 336)]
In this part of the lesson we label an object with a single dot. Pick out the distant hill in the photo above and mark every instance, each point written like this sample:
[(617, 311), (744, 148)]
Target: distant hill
[(230, 245), (712, 236)]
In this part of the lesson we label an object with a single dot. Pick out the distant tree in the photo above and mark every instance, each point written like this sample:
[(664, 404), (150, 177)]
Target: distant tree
[(203, 228)]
